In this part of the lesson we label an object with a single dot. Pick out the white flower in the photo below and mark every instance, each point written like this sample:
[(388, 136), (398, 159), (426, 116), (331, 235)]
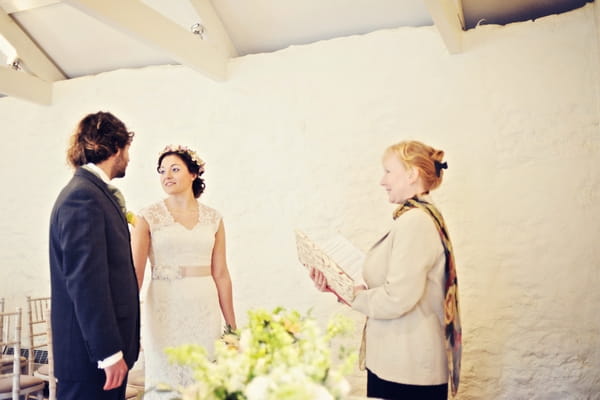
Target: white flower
[(339, 386), (320, 392), (257, 388), (184, 149), (245, 340), (196, 391), (280, 355)]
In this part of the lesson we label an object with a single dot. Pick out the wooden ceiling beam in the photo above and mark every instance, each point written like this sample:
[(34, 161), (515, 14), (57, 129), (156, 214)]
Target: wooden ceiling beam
[(448, 17), (144, 23), (24, 86), (13, 6), (215, 30), (33, 58)]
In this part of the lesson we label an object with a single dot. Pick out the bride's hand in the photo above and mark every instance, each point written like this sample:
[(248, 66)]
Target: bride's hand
[(319, 279)]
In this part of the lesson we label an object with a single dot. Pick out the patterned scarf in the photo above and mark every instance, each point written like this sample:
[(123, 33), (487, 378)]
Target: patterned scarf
[(451, 310)]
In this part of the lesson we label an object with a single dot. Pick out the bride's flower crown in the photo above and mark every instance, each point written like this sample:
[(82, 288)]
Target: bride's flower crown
[(184, 150)]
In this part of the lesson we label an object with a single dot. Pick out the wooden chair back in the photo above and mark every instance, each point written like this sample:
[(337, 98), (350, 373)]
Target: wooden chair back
[(38, 334), (10, 339), (1, 310), (12, 383), (51, 378)]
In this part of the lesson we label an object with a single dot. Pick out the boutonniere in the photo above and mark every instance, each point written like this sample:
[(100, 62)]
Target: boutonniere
[(130, 218)]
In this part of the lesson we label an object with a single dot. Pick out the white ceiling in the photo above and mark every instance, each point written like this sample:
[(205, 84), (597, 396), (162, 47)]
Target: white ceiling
[(82, 45), (84, 37)]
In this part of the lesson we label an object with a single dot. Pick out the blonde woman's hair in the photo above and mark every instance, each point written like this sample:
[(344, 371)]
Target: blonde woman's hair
[(422, 157)]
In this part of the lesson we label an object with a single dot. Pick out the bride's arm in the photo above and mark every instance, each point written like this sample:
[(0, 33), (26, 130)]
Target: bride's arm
[(140, 244), (220, 274)]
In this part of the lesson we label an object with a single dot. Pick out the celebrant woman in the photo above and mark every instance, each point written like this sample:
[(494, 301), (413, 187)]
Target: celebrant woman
[(412, 337)]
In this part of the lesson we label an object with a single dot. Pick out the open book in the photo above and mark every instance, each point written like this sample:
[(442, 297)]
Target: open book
[(336, 257)]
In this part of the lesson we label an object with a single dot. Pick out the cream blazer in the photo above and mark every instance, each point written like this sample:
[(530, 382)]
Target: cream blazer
[(404, 272)]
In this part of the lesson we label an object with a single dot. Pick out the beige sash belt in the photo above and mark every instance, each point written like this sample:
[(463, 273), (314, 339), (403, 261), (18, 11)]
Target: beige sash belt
[(189, 271), (173, 272)]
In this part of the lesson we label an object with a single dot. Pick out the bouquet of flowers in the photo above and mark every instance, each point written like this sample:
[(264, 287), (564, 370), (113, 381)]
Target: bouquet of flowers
[(280, 355)]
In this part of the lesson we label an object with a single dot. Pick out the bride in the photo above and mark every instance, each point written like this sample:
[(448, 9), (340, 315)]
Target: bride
[(190, 286)]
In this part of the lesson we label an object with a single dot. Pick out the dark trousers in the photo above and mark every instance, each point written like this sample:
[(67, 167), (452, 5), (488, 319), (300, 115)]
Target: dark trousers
[(89, 390), (377, 387)]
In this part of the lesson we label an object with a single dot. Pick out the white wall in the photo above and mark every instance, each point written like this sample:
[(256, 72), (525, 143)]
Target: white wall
[(294, 138)]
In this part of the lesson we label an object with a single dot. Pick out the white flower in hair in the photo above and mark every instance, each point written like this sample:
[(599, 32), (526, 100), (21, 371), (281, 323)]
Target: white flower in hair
[(184, 150)]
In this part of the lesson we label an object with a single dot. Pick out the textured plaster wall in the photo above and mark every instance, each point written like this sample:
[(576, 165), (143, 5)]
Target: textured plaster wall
[(294, 139)]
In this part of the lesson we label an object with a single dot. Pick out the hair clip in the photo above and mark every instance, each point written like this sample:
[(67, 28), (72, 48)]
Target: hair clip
[(439, 166)]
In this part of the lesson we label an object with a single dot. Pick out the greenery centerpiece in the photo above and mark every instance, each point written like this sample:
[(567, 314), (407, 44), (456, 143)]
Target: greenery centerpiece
[(279, 355)]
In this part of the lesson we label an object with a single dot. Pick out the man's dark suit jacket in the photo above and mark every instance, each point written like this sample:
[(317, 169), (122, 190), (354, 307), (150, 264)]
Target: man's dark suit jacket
[(95, 302)]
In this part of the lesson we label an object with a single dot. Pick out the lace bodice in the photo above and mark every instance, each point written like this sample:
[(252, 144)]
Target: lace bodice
[(173, 246)]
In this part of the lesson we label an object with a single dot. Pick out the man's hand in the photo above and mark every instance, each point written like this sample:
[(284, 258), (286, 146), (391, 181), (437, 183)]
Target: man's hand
[(115, 375)]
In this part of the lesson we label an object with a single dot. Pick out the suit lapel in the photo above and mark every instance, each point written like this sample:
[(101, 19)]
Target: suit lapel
[(96, 180)]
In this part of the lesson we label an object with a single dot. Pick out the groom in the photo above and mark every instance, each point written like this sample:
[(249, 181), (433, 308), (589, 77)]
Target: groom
[(95, 303)]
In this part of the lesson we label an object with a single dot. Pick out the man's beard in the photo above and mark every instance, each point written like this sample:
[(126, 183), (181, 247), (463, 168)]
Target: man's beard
[(120, 173), (119, 168)]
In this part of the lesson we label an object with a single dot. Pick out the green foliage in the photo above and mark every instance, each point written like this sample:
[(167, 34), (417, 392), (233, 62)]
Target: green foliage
[(279, 355)]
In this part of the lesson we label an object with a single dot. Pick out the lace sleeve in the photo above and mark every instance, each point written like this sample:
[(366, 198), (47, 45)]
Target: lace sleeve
[(209, 215), (155, 215)]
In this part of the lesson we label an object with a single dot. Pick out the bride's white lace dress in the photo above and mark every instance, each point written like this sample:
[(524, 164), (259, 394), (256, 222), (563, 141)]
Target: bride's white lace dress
[(180, 306)]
